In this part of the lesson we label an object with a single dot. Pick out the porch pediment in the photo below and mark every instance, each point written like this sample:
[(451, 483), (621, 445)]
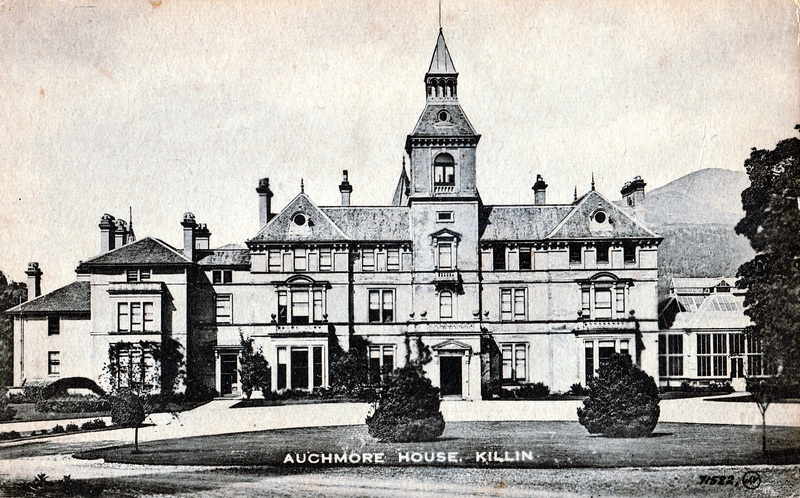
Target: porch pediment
[(452, 345)]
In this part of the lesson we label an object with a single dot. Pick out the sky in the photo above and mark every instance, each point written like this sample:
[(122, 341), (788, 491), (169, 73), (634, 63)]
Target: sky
[(183, 105)]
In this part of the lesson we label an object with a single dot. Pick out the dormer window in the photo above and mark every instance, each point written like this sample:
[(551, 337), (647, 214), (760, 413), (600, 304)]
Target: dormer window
[(444, 170), (443, 115)]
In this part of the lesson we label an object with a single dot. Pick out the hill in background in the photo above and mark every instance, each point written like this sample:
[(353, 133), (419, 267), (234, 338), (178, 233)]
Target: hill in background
[(696, 214)]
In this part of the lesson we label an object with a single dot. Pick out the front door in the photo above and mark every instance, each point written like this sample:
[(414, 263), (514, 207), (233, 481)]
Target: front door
[(228, 373), (450, 375)]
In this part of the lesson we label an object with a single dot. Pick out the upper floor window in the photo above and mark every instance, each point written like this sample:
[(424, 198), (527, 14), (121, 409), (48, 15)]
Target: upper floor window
[(525, 261), (629, 252), (381, 305), (499, 257), (575, 252), (301, 306), (136, 317), (368, 259), (53, 325), (444, 170), (393, 255), (446, 304), (603, 250), (222, 276), (603, 298), (444, 216), (446, 255), (325, 260), (224, 308), (300, 258), (274, 260), (137, 275), (512, 304)]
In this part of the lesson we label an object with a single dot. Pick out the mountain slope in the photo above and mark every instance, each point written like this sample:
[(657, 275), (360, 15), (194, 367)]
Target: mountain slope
[(696, 214)]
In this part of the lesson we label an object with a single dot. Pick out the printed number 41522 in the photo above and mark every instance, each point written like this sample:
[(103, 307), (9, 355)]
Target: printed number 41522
[(721, 480)]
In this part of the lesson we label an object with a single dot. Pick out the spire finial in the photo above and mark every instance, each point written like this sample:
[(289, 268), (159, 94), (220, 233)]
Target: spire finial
[(575, 198), (592, 180), (440, 15), (302, 188)]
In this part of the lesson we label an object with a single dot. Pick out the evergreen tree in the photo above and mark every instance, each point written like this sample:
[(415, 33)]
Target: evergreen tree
[(254, 373), (408, 407), (623, 400)]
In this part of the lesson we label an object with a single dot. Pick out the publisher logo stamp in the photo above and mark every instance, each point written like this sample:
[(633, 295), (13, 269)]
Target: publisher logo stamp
[(751, 480)]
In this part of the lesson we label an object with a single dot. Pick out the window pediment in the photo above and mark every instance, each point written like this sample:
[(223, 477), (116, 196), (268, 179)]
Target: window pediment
[(446, 233)]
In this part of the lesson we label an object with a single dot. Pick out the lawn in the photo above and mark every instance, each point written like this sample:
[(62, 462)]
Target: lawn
[(477, 444)]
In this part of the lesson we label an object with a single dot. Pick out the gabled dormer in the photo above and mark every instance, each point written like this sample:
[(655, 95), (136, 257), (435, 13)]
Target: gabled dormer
[(442, 145)]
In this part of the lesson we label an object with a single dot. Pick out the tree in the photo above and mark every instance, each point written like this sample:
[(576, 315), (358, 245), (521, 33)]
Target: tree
[(408, 407), (254, 371), (11, 294), (348, 369), (623, 400), (128, 409), (772, 278)]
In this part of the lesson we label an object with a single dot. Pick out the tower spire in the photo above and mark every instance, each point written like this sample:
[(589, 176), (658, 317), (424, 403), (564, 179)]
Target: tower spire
[(592, 180), (440, 15)]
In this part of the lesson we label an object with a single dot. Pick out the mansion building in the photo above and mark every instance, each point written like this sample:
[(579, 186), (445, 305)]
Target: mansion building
[(515, 293)]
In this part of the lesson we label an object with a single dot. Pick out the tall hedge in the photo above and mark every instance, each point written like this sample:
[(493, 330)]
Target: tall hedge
[(623, 400), (408, 407)]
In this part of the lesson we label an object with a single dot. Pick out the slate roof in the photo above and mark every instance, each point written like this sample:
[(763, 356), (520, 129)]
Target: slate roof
[(146, 251), (457, 126), (577, 224), (226, 257), (321, 226), (372, 223), (520, 222), (400, 197), (74, 298), (441, 63)]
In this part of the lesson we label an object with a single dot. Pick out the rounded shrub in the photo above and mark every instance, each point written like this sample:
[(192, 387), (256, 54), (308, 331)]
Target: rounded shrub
[(127, 409), (407, 409), (623, 400)]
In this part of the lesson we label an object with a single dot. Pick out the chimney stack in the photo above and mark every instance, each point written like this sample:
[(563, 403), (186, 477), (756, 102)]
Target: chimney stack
[(346, 189), (539, 188), (189, 225), (634, 198), (202, 237), (121, 233), (264, 202), (107, 228), (34, 274)]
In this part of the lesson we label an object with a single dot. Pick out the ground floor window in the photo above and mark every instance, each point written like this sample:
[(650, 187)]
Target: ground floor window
[(133, 366), (515, 362), (381, 362), (54, 363), (300, 367), (733, 355), (598, 351), (670, 355), (712, 355)]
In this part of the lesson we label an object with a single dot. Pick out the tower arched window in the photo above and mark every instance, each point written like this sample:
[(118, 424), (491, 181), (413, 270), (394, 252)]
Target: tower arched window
[(444, 170)]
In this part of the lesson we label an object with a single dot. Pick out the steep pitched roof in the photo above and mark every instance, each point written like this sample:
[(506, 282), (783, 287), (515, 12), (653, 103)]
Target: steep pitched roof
[(318, 227), (146, 251), (578, 223), (456, 126), (441, 63), (72, 298), (520, 222), (372, 223), (701, 282), (226, 257), (400, 197), (716, 311)]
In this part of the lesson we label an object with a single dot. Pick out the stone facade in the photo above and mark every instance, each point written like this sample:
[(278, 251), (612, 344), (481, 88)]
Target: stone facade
[(518, 294)]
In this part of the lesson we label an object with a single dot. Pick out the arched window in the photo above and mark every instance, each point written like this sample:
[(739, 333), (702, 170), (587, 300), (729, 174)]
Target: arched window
[(444, 170)]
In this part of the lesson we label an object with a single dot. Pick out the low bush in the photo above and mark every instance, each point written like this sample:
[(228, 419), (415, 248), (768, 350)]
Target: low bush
[(72, 404), (61, 387), (9, 435), (196, 391), (6, 411), (578, 390), (93, 424), (31, 393), (532, 391), (71, 428), (59, 429), (623, 401)]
